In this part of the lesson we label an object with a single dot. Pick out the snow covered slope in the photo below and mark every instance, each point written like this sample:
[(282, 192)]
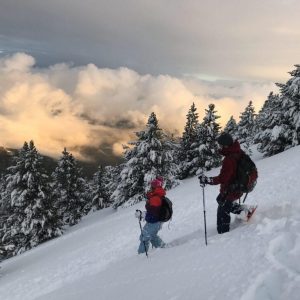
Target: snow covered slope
[(97, 259)]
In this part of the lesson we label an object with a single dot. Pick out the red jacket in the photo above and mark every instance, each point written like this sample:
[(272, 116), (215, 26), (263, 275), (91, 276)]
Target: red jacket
[(228, 171), (153, 204)]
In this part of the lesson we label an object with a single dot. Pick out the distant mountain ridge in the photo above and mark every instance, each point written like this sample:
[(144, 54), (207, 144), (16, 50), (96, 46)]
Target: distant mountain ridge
[(6, 158), (7, 154)]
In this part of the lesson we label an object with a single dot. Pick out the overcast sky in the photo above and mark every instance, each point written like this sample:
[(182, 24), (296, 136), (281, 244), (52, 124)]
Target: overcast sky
[(123, 59)]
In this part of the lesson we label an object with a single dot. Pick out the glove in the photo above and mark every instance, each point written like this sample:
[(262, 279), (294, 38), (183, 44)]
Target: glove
[(205, 180), (140, 214)]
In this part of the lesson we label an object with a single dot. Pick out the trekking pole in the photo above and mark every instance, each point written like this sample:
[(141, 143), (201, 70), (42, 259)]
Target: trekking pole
[(142, 231), (204, 213), (245, 197)]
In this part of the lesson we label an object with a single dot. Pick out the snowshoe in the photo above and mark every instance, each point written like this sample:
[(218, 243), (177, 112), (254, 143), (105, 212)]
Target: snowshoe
[(251, 211), (246, 213)]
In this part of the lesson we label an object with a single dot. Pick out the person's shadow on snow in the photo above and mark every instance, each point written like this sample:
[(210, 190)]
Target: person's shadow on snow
[(185, 239)]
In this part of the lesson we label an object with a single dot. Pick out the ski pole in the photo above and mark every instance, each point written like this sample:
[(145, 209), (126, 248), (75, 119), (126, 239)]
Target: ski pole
[(142, 231), (204, 213), (245, 198)]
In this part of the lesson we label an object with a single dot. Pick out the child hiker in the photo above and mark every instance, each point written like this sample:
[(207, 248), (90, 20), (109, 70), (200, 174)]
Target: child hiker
[(153, 225)]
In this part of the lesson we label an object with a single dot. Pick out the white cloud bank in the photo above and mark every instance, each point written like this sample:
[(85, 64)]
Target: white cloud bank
[(79, 107)]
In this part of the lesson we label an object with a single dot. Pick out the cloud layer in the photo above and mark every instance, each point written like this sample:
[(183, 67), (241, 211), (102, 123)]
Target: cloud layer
[(248, 40), (92, 111)]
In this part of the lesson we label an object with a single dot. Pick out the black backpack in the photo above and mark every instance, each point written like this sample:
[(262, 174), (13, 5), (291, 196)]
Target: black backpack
[(246, 175), (166, 210)]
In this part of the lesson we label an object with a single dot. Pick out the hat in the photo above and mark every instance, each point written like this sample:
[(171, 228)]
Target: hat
[(156, 183), (160, 179), (225, 139)]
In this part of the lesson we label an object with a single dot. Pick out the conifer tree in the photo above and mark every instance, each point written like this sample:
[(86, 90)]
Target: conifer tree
[(278, 125), (99, 193), (290, 97), (197, 165), (31, 216), (272, 130), (262, 118), (4, 214), (231, 127), (171, 147), (209, 131), (148, 158), (69, 189), (246, 127), (188, 152), (113, 178)]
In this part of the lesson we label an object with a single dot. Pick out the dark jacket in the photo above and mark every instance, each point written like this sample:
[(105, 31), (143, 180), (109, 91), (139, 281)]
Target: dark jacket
[(153, 204), (228, 171)]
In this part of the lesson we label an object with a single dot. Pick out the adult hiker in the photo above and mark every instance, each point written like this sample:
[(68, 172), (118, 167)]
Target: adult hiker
[(149, 233), (227, 197)]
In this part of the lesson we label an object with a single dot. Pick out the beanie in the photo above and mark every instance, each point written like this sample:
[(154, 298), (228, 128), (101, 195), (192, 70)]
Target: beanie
[(160, 179), (225, 139), (156, 183)]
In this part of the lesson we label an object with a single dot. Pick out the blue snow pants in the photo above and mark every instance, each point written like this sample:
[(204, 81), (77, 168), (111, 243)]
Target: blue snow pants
[(149, 235)]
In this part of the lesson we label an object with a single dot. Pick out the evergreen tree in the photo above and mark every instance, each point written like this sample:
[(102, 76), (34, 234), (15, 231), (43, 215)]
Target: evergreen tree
[(99, 194), (169, 168), (30, 215), (112, 178), (69, 189), (188, 152), (262, 118), (278, 125), (246, 127), (197, 165), (4, 214), (290, 96), (272, 127), (231, 127), (209, 131), (149, 157), (87, 194)]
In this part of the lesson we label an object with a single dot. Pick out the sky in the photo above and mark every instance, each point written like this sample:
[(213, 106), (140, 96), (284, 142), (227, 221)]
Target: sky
[(97, 259), (86, 74)]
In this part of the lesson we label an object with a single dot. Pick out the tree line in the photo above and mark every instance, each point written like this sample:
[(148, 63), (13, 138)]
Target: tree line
[(36, 206)]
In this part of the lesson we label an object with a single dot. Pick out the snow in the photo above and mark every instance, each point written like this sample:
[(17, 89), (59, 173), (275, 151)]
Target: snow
[(97, 258)]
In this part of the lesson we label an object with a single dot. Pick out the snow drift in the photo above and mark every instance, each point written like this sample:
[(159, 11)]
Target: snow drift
[(97, 259)]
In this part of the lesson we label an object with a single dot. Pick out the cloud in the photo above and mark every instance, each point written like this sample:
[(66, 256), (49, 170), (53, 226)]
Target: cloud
[(18, 62), (93, 111), (248, 40)]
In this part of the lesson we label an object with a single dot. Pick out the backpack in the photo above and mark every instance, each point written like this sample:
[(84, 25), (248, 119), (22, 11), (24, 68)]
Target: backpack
[(166, 210), (246, 175)]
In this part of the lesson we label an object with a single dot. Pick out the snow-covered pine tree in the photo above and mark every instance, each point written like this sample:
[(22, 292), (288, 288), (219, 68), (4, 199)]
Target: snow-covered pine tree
[(263, 117), (87, 196), (99, 193), (2, 203), (169, 161), (188, 152), (208, 133), (31, 216), (148, 158), (290, 95), (197, 165), (4, 214), (113, 178), (272, 130), (231, 127), (69, 189), (246, 127)]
